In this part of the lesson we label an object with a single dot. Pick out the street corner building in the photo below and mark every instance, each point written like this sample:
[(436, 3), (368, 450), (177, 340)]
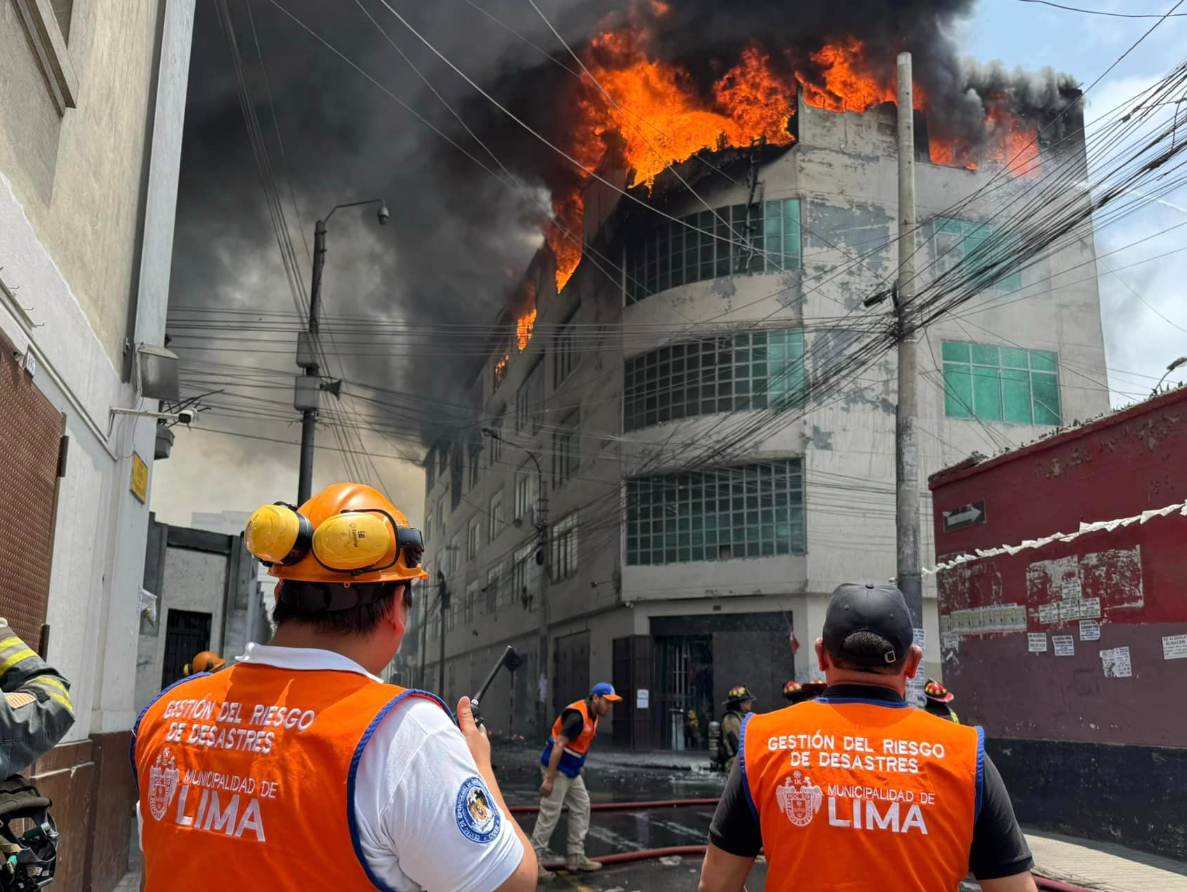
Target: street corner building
[(672, 448), (1063, 623), (92, 99)]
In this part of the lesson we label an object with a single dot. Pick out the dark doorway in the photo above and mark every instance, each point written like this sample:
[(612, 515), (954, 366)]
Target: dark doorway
[(572, 670), (684, 701), (187, 633)]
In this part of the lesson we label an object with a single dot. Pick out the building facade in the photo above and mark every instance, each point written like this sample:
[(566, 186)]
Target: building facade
[(92, 99), (1064, 631), (715, 428)]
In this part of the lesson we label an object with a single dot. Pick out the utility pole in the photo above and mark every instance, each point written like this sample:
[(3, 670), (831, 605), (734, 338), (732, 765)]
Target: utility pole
[(424, 638), (544, 559), (307, 397), (444, 610), (309, 389), (906, 440)]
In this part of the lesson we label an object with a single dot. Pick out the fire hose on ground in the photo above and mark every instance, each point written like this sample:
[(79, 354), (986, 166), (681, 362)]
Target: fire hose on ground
[(1043, 883)]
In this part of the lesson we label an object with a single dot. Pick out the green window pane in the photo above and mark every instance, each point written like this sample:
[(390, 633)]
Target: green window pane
[(958, 391), (954, 352), (1046, 398), (1043, 361), (1016, 396), (987, 393), (791, 234), (984, 355), (1013, 358)]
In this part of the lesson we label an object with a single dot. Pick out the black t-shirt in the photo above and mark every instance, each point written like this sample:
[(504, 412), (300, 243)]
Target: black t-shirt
[(999, 849), (572, 723)]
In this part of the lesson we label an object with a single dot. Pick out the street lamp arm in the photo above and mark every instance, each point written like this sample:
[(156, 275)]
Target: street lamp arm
[(1182, 360), (351, 204)]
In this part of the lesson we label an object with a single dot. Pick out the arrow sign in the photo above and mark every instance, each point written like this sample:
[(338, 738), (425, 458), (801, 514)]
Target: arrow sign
[(964, 516)]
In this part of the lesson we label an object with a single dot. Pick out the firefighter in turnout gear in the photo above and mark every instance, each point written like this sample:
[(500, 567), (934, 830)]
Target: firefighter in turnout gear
[(37, 712), (298, 766), (738, 704), (562, 764), (794, 692), (897, 799)]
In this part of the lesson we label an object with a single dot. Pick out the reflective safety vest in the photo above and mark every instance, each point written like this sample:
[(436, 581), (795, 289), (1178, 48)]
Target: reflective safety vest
[(246, 778), (860, 794), (575, 750)]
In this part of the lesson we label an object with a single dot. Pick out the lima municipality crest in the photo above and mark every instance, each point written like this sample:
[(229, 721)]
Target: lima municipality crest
[(162, 784), (799, 799)]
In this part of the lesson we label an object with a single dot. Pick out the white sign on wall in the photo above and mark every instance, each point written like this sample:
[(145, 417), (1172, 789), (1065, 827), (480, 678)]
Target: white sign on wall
[(642, 698)]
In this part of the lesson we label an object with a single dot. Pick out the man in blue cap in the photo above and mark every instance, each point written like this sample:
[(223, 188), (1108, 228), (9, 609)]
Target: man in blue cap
[(561, 765)]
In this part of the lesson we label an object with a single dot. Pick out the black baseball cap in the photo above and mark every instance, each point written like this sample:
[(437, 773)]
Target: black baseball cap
[(866, 607)]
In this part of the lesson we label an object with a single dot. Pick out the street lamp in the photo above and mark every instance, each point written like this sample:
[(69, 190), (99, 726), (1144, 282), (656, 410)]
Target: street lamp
[(1182, 360), (309, 385), (543, 560)]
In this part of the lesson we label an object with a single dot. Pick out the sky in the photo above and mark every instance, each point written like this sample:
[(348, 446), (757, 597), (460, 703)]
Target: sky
[(346, 141)]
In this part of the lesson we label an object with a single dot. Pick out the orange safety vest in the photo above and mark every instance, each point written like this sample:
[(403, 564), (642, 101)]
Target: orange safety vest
[(246, 778), (857, 794), (575, 752)]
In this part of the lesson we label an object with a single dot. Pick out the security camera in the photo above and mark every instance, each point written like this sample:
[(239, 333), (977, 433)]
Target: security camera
[(187, 416), (384, 215)]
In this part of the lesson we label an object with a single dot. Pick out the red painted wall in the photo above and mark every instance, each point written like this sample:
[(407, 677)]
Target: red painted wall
[(1118, 466), (1131, 581)]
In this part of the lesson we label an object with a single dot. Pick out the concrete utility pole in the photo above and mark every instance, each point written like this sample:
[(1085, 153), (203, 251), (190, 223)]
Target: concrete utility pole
[(545, 562), (906, 440), (444, 610), (311, 386), (424, 638)]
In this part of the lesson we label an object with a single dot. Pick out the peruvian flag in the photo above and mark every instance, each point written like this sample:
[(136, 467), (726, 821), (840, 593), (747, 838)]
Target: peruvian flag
[(793, 641)]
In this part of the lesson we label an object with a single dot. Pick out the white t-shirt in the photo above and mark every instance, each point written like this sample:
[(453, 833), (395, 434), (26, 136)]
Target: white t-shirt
[(414, 784)]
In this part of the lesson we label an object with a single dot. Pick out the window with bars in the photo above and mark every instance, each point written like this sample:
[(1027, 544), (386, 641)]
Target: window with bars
[(566, 451), (985, 247), (529, 401), (765, 239), (563, 548), (527, 490), (475, 463), (494, 452), (525, 576), (473, 538), (754, 370), (1001, 384), (471, 600), (430, 471), (452, 557), (752, 510), (492, 588), (564, 353), (495, 513)]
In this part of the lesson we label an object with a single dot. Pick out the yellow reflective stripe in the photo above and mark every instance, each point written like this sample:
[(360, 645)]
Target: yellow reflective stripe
[(18, 657), (50, 680), (9, 642)]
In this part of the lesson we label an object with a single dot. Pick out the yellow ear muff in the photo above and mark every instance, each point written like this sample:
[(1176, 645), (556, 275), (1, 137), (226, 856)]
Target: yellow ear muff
[(352, 541), (277, 534)]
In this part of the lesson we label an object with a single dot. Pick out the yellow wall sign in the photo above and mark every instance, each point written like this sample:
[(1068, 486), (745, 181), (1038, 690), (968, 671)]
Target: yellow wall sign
[(139, 478)]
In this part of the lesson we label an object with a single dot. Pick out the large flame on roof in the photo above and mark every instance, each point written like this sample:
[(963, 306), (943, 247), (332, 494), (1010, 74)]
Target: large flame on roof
[(657, 117)]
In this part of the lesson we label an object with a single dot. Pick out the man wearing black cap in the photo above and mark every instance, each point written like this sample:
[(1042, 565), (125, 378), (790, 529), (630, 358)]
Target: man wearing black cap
[(899, 799)]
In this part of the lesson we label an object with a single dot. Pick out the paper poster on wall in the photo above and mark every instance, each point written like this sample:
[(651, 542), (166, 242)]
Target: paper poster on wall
[(1116, 663), (920, 639), (1174, 647), (1049, 613), (915, 691), (1072, 590), (1065, 645), (643, 698), (1036, 642), (1089, 630)]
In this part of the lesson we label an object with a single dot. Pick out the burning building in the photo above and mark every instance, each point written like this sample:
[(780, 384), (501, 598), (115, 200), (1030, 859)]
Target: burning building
[(675, 413)]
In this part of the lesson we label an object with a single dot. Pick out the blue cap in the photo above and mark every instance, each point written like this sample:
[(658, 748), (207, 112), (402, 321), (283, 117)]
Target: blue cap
[(602, 689)]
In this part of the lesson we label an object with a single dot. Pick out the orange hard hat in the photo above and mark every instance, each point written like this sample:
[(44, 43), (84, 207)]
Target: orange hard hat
[(347, 533), (207, 661)]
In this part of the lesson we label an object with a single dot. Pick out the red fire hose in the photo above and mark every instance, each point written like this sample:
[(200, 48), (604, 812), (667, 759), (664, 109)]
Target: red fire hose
[(645, 854)]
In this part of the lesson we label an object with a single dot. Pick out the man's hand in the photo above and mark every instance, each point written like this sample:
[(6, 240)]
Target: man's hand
[(475, 735), (546, 787)]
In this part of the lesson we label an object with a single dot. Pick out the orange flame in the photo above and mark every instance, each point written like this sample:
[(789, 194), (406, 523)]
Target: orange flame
[(654, 112), (523, 329)]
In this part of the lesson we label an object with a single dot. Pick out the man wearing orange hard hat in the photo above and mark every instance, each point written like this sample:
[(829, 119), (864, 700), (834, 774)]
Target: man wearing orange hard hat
[(297, 765), (205, 661)]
